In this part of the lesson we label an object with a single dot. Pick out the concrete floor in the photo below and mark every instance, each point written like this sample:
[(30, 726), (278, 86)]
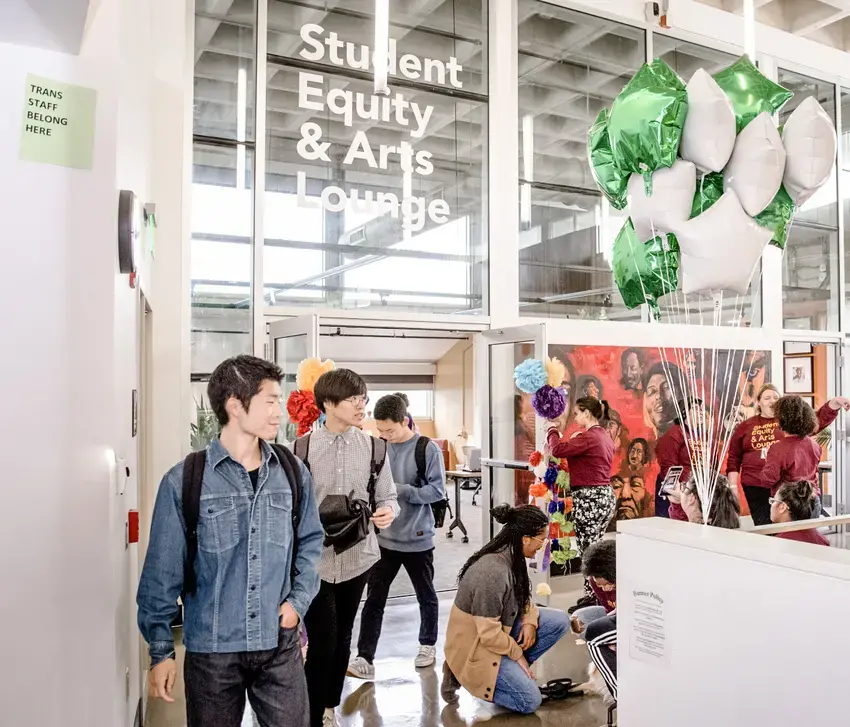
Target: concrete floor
[(405, 697)]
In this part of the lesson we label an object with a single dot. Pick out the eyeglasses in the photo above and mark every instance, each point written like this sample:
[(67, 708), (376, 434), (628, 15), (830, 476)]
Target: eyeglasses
[(357, 401), (538, 539), (774, 500)]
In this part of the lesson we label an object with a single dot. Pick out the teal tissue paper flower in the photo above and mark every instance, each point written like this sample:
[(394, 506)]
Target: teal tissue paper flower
[(530, 375)]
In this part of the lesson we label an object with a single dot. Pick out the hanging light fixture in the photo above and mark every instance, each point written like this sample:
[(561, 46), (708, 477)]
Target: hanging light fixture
[(381, 56)]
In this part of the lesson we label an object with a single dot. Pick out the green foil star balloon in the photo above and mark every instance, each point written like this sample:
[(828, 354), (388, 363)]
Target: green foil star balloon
[(646, 121), (777, 218), (644, 271), (750, 91), (612, 182), (709, 190)]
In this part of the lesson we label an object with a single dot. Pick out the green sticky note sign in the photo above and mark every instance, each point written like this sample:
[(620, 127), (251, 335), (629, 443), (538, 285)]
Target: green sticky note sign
[(58, 123)]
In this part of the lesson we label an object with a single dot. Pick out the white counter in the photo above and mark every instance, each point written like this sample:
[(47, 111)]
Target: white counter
[(731, 628)]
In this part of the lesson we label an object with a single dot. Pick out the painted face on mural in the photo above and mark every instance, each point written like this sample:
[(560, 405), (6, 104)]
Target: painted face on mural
[(637, 454), (630, 492), (658, 402), (632, 371)]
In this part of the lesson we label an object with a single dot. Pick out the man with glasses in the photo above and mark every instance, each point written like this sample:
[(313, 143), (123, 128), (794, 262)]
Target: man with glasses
[(344, 461)]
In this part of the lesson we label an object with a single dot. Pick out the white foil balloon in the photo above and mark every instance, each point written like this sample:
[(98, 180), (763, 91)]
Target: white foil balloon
[(720, 247), (810, 142), (669, 206), (757, 165), (708, 137)]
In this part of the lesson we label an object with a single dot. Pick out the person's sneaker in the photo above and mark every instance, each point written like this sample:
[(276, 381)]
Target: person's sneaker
[(359, 668), (426, 657), (583, 602), (330, 719), (449, 687)]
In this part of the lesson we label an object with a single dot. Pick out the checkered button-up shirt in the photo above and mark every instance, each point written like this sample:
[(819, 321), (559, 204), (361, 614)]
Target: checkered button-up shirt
[(340, 465)]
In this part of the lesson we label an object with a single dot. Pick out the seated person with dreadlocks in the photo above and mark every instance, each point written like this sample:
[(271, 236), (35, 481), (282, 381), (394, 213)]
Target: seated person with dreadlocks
[(495, 632), (599, 566), (725, 508)]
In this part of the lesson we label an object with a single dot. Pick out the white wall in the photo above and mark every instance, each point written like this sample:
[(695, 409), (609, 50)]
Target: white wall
[(755, 628), (70, 362)]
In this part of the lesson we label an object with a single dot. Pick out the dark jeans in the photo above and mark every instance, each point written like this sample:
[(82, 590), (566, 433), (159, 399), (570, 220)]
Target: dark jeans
[(329, 622), (758, 502), (274, 680), (420, 568)]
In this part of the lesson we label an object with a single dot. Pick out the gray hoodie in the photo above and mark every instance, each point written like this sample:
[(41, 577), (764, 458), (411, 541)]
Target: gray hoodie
[(413, 530)]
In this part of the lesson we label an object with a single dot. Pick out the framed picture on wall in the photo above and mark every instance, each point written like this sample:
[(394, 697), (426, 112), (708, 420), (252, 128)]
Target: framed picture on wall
[(798, 375), (810, 400), (797, 347)]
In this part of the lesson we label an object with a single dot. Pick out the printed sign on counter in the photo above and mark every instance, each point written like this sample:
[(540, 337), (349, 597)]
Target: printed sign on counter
[(58, 123), (650, 625)]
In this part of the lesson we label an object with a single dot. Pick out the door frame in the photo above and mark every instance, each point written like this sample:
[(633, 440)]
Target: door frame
[(534, 333)]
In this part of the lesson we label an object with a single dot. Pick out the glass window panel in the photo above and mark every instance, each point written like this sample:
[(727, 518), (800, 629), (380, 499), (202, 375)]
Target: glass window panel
[(571, 65), (224, 69), (844, 141), (809, 268), (810, 279), (687, 58), (822, 208), (220, 262), (420, 401), (354, 231), (438, 31)]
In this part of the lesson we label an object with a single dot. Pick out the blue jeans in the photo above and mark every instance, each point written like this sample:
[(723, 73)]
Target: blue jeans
[(514, 690), (587, 616)]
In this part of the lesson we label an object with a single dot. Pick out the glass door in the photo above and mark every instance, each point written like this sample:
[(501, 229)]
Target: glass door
[(510, 430), (290, 342)]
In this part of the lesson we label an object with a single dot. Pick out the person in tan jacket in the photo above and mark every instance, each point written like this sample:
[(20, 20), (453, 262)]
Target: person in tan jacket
[(495, 632)]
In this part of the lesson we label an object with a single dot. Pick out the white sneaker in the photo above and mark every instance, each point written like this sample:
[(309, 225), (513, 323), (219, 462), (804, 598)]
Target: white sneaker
[(426, 657), (330, 719), (359, 668)]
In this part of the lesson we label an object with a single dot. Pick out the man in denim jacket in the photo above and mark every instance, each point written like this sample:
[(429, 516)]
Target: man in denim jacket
[(241, 624)]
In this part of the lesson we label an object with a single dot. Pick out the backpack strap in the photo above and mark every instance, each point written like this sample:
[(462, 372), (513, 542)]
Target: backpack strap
[(379, 456), (292, 470), (421, 464), (302, 449), (193, 481)]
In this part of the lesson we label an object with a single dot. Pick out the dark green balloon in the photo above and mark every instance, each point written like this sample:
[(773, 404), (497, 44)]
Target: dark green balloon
[(644, 271), (613, 183), (709, 190), (777, 218), (646, 121), (750, 91)]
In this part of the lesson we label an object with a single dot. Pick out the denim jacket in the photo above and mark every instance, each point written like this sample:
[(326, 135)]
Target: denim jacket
[(243, 566)]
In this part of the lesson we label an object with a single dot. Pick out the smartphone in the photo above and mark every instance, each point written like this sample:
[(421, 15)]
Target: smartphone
[(671, 479)]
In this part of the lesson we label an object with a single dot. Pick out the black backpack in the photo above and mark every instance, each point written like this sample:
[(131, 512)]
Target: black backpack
[(193, 480), (438, 508), (379, 457)]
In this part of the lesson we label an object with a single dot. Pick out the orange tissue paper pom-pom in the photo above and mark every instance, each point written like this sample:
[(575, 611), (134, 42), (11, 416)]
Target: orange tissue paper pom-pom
[(309, 371), (538, 489), (302, 409), (535, 459), (554, 531), (568, 504)]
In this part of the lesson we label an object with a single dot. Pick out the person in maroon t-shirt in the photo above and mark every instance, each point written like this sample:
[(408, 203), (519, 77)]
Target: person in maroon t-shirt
[(796, 455), (752, 440), (796, 501), (682, 445), (589, 453), (599, 566)]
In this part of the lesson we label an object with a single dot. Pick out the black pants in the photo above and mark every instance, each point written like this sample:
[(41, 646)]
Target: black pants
[(329, 622), (601, 635), (758, 499), (420, 568), (274, 680)]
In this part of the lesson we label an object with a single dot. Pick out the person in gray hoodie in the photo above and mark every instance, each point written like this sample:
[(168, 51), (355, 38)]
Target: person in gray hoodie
[(408, 543)]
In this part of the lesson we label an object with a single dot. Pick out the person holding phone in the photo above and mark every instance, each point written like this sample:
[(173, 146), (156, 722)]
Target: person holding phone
[(681, 446)]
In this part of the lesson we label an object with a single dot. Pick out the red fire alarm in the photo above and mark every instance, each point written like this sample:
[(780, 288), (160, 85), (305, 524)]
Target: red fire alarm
[(133, 526)]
